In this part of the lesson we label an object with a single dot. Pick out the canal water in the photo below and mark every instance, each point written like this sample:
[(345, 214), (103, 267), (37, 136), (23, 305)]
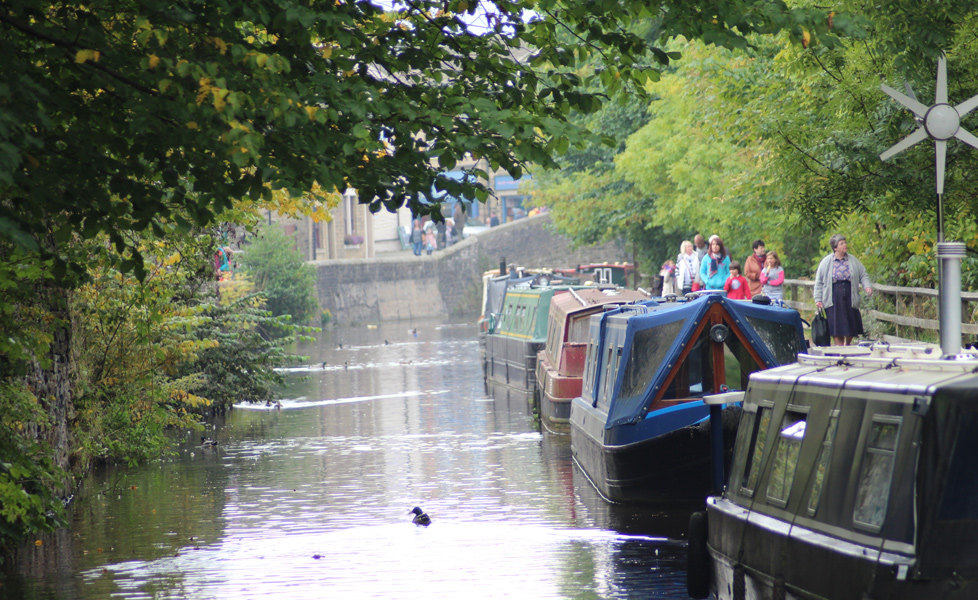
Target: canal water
[(312, 499)]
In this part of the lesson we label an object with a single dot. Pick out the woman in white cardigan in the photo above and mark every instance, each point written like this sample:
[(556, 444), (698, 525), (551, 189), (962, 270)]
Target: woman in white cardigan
[(687, 266), (837, 282)]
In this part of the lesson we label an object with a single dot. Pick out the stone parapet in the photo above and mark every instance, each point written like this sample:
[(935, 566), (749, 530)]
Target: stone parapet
[(399, 285)]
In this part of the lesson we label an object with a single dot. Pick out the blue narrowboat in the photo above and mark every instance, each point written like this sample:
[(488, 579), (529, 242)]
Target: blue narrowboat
[(639, 430)]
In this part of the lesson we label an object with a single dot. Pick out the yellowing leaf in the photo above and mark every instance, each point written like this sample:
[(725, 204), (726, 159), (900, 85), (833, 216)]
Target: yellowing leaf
[(83, 56), (219, 95), (219, 43), (153, 61), (311, 111), (192, 125), (327, 51)]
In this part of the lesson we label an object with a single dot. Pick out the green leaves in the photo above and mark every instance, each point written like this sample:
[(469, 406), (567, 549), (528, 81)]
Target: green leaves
[(278, 271)]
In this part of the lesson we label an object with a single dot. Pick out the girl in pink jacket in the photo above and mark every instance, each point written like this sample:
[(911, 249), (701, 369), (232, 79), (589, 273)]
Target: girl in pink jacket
[(772, 277)]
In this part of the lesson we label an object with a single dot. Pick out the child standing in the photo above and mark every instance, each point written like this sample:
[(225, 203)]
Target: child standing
[(668, 274), (772, 277), (430, 242), (737, 287)]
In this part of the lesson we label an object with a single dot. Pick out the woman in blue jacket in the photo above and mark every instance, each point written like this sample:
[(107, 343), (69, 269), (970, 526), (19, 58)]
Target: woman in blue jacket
[(715, 266)]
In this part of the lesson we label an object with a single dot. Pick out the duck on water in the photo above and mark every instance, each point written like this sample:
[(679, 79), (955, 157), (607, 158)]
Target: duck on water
[(420, 517)]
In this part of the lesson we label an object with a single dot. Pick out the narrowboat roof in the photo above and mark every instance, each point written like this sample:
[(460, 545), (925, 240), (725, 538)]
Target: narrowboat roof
[(495, 287), (667, 331), (907, 370), (589, 298), (525, 312)]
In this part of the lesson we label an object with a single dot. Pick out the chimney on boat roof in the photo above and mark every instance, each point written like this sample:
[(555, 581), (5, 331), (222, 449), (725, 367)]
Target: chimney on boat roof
[(949, 255)]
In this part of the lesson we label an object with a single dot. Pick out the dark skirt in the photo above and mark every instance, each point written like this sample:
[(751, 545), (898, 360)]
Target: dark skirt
[(844, 320)]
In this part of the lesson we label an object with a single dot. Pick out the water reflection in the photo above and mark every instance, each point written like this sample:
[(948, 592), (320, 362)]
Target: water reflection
[(311, 499)]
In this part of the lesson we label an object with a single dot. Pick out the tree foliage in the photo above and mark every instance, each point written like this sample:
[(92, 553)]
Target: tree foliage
[(278, 271), (781, 140), (127, 116)]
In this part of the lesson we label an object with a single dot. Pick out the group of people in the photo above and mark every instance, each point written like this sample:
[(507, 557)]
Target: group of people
[(838, 279), (432, 236), (708, 267)]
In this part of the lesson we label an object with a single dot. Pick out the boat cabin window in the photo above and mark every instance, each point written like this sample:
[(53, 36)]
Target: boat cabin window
[(961, 494), (608, 379), (755, 449), (781, 338), (577, 329), (553, 343), (876, 472), (648, 352), (789, 441), (590, 369), (823, 463)]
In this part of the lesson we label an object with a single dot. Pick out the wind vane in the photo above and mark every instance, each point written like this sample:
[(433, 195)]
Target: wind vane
[(940, 122)]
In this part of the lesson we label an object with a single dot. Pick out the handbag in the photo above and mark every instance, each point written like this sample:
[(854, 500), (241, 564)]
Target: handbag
[(820, 329)]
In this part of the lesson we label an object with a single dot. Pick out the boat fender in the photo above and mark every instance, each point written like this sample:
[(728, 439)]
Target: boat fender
[(698, 557)]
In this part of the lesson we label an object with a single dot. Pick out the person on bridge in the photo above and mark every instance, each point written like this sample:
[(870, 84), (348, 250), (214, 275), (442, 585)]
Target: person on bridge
[(837, 281), (715, 266), (417, 237)]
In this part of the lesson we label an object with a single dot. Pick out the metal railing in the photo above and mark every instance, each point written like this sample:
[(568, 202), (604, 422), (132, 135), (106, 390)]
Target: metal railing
[(898, 312)]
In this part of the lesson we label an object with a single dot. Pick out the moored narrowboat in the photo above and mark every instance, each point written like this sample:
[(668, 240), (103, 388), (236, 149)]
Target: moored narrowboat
[(494, 288), (853, 476), (517, 334), (560, 365), (639, 430)]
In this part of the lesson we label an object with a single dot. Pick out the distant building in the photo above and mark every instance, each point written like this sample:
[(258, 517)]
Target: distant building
[(354, 232)]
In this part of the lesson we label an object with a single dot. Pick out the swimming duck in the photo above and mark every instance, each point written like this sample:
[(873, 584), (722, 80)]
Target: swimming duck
[(206, 443), (420, 517)]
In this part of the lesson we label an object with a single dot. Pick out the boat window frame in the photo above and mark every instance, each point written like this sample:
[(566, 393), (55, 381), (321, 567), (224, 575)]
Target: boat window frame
[(791, 409), (550, 346), (825, 451), (604, 396), (755, 425), (866, 451), (590, 371)]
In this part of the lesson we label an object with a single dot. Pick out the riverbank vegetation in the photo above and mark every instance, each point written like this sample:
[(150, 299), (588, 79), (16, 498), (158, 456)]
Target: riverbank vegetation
[(136, 358), (781, 141)]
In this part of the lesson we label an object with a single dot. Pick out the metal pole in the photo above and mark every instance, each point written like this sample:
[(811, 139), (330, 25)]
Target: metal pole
[(716, 446), (949, 255)]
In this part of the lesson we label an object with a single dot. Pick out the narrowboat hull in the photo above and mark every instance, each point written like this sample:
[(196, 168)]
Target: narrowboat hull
[(556, 393), (802, 558), (512, 361), (852, 477), (664, 459)]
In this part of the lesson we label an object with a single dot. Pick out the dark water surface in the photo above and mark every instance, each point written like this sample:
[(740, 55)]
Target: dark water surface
[(312, 500)]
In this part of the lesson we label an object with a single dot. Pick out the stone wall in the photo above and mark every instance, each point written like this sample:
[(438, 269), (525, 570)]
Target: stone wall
[(449, 282)]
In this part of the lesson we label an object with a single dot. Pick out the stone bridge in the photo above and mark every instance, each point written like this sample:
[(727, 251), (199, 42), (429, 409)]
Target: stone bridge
[(447, 283)]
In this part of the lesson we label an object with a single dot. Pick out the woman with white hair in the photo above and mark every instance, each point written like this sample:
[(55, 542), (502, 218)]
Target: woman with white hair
[(687, 267), (837, 281)]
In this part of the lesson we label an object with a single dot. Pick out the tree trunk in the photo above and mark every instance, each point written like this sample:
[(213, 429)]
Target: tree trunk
[(52, 383)]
